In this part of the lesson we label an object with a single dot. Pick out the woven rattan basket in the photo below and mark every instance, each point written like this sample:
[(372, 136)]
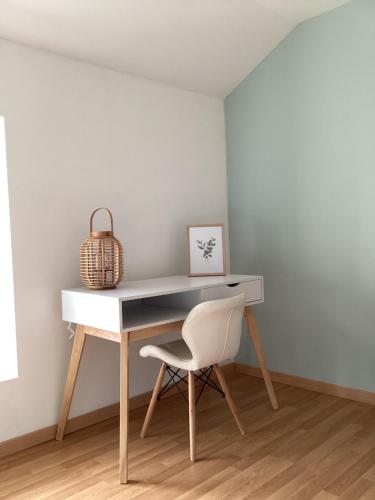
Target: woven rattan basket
[(101, 258)]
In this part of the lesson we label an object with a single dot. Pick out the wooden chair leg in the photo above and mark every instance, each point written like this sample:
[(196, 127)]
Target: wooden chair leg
[(191, 380), (154, 397), (75, 359), (228, 397), (255, 337)]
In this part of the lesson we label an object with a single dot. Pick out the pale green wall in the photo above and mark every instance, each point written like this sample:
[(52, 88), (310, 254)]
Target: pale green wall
[(301, 173)]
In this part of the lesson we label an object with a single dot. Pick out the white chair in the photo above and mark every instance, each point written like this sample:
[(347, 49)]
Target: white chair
[(210, 334)]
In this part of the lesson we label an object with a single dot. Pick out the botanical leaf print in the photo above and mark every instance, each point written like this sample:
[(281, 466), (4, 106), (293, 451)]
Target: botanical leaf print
[(207, 247)]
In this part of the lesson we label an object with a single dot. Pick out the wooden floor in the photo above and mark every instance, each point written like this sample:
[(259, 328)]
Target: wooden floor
[(315, 446)]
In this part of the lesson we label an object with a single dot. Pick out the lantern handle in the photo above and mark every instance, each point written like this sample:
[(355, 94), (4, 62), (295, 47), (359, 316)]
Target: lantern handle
[(94, 212)]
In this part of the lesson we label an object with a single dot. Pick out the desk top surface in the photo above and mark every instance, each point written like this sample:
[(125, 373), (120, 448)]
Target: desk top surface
[(131, 290)]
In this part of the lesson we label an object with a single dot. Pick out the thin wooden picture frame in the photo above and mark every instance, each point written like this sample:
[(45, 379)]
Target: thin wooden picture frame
[(191, 267)]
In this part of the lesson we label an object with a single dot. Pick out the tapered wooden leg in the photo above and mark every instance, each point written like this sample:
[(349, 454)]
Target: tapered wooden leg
[(228, 397), (254, 335), (124, 407), (75, 359), (154, 397), (191, 381)]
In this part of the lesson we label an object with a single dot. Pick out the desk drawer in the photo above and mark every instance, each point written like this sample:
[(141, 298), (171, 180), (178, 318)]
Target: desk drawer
[(253, 291)]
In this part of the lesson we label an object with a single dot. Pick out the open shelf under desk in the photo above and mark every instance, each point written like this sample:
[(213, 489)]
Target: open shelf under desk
[(140, 315)]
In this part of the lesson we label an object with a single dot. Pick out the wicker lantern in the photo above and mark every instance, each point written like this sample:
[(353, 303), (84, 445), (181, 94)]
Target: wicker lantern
[(101, 258)]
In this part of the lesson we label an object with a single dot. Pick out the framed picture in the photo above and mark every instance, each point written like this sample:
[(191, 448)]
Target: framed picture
[(206, 249)]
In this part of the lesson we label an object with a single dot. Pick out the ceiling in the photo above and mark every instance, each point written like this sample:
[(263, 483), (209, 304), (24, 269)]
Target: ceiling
[(207, 46)]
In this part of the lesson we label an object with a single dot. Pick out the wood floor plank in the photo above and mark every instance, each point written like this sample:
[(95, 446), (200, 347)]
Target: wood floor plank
[(277, 482), (323, 495), (332, 468), (315, 447), (205, 487), (369, 494), (249, 479), (356, 490), (344, 481)]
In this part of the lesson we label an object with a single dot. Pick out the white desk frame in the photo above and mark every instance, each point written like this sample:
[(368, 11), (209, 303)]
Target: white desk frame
[(143, 309)]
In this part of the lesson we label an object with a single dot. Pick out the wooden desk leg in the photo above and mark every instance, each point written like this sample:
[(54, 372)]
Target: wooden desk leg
[(124, 407), (75, 358), (254, 335)]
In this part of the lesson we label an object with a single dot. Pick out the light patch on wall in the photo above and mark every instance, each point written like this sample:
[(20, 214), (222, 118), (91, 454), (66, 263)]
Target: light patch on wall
[(8, 346)]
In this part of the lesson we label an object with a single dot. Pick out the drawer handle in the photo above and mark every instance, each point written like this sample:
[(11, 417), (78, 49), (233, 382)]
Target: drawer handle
[(233, 284)]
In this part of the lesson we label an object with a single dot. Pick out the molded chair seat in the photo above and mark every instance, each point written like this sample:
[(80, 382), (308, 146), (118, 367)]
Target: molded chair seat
[(175, 353)]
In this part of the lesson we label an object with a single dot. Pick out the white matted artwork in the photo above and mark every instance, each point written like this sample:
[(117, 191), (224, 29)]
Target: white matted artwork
[(206, 249)]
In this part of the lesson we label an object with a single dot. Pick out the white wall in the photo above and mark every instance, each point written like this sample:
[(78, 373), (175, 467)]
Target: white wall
[(79, 137), (8, 344)]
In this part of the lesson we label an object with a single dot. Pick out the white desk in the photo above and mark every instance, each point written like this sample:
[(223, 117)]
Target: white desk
[(142, 309)]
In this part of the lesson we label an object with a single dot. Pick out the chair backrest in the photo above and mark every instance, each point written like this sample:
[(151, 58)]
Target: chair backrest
[(212, 330)]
